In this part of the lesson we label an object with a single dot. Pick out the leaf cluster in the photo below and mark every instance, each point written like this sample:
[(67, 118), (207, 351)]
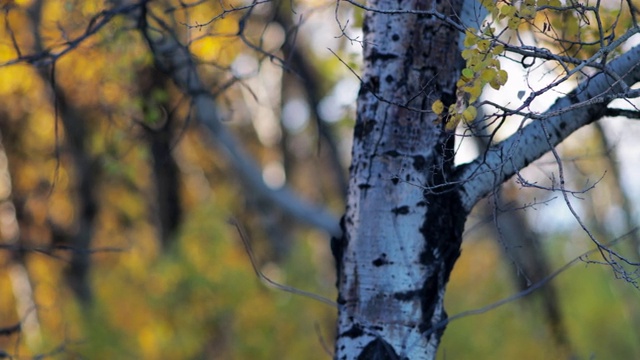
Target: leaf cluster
[(482, 68)]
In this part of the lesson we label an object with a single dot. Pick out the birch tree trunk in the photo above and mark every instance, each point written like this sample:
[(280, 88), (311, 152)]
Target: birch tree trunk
[(400, 241)]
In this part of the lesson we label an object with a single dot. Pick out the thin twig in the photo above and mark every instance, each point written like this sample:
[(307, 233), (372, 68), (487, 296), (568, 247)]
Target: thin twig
[(269, 282)]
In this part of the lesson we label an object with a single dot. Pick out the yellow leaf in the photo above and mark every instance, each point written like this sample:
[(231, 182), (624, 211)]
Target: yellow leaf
[(488, 75), (470, 38), (483, 45), (489, 31), (502, 77), (453, 122), (507, 10), (470, 113), (468, 53), (473, 91), (437, 107), (488, 4), (513, 24)]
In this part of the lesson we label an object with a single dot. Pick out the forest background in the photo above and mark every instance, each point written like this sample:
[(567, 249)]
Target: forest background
[(115, 203)]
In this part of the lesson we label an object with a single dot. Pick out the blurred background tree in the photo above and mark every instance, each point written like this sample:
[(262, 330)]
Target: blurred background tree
[(115, 193)]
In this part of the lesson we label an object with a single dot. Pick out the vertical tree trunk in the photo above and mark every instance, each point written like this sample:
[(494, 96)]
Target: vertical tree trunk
[(76, 136), (165, 205), (403, 222)]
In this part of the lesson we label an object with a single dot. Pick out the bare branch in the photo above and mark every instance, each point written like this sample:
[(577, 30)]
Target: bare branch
[(9, 330), (51, 55), (265, 279), (629, 114), (503, 160), (175, 59), (535, 287)]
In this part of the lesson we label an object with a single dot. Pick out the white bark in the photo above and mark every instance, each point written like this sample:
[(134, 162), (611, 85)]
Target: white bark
[(393, 262), (585, 104)]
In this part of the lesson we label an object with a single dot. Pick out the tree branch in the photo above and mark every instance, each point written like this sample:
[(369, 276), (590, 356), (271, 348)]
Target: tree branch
[(585, 104), (10, 330), (175, 59), (629, 114)]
